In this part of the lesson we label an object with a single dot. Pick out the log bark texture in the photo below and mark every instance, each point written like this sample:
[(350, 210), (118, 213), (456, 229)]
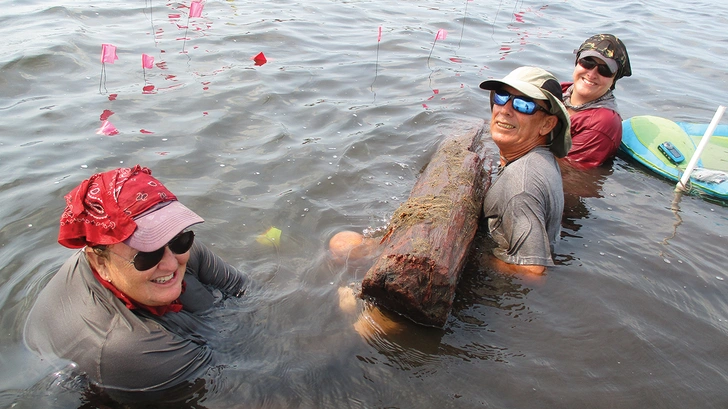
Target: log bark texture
[(429, 235)]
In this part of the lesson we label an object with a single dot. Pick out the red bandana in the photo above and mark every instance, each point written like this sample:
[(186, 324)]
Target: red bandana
[(131, 304), (100, 210)]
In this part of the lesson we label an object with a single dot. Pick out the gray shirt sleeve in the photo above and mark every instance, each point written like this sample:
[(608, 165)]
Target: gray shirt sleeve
[(211, 270), (521, 233), (206, 270)]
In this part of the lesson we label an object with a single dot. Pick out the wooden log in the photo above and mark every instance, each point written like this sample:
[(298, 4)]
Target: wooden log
[(429, 235)]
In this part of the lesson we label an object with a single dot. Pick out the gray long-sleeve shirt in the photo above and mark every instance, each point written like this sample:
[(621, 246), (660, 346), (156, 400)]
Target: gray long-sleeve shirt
[(77, 319)]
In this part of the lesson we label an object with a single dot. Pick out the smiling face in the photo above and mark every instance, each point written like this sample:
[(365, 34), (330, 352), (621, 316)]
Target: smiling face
[(589, 84), (516, 133), (158, 286)]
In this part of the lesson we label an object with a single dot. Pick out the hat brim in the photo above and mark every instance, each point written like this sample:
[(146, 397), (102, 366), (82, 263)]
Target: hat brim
[(526, 88), (561, 142), (155, 229), (611, 63)]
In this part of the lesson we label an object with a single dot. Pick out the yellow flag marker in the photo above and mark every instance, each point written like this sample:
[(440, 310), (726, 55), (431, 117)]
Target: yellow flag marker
[(271, 238)]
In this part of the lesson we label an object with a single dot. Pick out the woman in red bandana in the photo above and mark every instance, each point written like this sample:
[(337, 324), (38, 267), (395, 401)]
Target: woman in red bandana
[(123, 308)]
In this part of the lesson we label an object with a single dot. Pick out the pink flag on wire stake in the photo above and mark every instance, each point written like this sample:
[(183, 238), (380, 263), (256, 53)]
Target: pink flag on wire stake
[(108, 53), (376, 65), (196, 9), (147, 61), (441, 35)]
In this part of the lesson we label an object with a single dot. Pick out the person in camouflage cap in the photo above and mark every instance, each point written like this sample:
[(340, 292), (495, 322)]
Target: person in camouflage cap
[(596, 126), (609, 49)]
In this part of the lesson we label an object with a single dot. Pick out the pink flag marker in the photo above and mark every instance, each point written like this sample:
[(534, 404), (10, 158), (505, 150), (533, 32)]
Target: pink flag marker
[(196, 9), (376, 65), (108, 53), (441, 35), (106, 114), (107, 129), (260, 59), (147, 61)]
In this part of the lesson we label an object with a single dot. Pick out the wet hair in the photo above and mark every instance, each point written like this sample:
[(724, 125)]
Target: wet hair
[(102, 251)]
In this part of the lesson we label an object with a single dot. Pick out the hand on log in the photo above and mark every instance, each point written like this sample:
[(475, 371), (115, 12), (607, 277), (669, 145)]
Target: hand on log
[(349, 246)]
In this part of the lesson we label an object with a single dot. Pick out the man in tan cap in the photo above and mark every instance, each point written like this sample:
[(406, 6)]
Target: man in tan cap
[(523, 207)]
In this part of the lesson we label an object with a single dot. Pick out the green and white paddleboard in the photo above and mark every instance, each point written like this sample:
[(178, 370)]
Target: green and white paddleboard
[(666, 147)]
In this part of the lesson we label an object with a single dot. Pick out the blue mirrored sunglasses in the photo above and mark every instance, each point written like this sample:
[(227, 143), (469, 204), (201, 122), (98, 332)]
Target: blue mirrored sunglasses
[(524, 105)]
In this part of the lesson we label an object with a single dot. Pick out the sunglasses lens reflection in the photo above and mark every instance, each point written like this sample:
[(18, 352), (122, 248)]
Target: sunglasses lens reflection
[(145, 260), (179, 245), (182, 243), (521, 104), (588, 63)]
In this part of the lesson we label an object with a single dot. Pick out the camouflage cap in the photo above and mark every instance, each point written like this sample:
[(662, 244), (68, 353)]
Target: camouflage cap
[(611, 47)]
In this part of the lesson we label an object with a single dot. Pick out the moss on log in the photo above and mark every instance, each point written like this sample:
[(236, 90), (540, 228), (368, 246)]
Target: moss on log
[(429, 235)]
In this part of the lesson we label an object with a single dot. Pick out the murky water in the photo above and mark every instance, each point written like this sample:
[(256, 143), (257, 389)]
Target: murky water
[(330, 134)]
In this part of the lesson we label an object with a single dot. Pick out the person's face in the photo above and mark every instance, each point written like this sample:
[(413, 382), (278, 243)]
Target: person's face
[(160, 285), (516, 133), (589, 84)]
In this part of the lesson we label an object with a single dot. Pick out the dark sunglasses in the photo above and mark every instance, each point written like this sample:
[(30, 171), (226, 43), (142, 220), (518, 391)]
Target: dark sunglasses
[(588, 63), (180, 244), (524, 105)]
